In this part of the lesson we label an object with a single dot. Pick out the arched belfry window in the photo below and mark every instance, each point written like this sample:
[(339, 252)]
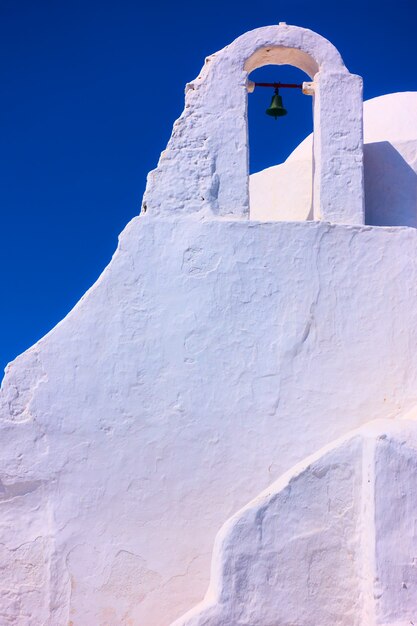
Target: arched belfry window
[(280, 156), (205, 168)]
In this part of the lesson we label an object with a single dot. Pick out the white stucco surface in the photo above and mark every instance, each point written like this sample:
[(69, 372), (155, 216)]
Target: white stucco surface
[(330, 543), (209, 358), (212, 355), (284, 191), (207, 155)]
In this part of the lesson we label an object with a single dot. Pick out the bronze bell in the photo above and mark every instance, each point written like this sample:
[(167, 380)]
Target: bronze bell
[(276, 108)]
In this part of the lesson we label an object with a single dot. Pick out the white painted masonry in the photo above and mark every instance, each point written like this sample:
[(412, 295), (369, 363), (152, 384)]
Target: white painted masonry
[(214, 354), (390, 170), (207, 155), (332, 542)]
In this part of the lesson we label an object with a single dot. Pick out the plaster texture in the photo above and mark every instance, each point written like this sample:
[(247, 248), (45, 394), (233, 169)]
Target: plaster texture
[(207, 155), (212, 355), (332, 542), (390, 169)]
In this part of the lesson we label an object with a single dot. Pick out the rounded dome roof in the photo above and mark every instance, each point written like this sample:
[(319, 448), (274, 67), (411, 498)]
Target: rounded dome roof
[(392, 117)]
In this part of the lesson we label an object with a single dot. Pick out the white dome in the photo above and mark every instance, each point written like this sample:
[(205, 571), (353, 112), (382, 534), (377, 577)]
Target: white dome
[(392, 117), (390, 168)]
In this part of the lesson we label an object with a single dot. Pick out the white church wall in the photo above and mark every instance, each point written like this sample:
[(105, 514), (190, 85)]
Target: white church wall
[(209, 358), (330, 543)]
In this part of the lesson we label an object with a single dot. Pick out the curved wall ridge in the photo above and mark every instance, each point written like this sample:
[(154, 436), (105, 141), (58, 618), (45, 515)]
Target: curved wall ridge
[(330, 542)]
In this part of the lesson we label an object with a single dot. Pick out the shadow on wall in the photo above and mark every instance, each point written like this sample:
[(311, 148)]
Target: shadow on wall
[(390, 187)]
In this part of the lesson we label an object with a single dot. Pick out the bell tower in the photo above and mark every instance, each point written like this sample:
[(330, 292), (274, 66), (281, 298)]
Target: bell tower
[(204, 168)]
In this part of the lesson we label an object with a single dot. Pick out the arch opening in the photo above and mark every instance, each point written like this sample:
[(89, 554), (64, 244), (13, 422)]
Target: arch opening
[(280, 186), (217, 102)]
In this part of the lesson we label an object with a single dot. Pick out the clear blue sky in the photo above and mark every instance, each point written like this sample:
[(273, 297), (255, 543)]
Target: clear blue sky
[(90, 93)]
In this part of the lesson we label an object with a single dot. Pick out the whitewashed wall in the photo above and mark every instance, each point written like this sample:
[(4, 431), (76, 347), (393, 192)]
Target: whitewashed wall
[(332, 542), (208, 359), (212, 355)]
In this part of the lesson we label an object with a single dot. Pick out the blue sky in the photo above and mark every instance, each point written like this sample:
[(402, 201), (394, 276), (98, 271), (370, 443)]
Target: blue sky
[(90, 93)]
